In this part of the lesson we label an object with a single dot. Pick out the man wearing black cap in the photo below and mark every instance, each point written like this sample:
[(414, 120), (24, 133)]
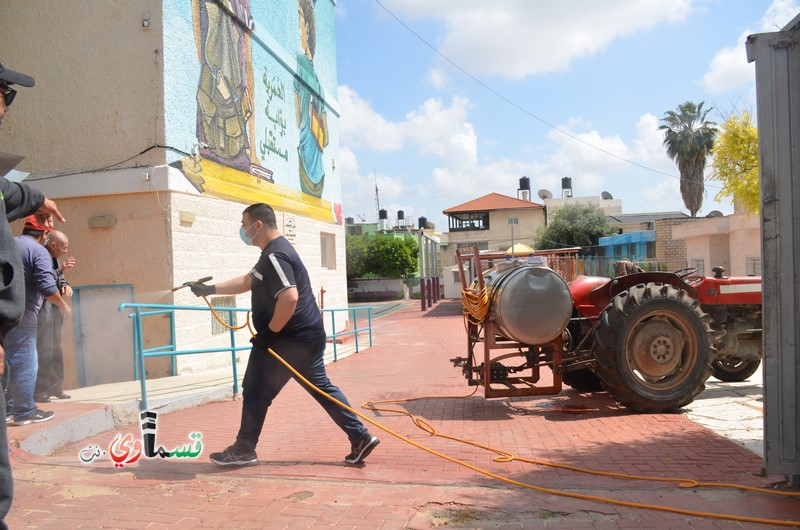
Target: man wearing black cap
[(16, 201)]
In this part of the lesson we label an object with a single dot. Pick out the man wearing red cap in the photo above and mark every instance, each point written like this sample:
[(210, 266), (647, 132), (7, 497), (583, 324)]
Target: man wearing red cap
[(40, 284), (17, 200)]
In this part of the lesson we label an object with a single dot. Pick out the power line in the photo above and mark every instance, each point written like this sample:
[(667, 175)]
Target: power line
[(519, 107)]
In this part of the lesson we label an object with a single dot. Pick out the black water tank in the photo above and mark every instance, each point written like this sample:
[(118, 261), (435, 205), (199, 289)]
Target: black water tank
[(383, 214), (566, 183), (401, 215), (349, 220), (422, 222), (525, 183)]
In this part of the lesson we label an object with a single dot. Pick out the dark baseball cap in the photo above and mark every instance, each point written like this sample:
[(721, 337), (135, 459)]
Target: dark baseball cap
[(15, 78)]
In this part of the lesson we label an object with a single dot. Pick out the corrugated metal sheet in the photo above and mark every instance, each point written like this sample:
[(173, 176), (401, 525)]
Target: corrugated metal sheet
[(777, 57)]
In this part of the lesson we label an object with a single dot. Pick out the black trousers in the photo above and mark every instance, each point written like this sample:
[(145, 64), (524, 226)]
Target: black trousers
[(50, 375)]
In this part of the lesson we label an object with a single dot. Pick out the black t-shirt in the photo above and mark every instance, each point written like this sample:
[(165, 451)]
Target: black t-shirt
[(278, 269)]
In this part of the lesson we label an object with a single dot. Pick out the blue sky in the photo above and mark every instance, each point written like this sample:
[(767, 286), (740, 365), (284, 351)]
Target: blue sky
[(462, 114)]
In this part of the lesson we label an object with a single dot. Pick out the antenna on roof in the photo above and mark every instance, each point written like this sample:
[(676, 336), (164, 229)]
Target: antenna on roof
[(377, 200), (545, 194)]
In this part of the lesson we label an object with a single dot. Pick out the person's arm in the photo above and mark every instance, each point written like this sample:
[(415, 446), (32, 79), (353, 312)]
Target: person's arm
[(239, 285), (22, 200), (284, 309), (49, 207)]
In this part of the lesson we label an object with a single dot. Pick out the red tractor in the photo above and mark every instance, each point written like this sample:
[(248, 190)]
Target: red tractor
[(650, 339)]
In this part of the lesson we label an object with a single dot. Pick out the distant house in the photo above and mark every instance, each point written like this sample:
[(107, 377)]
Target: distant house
[(639, 239), (488, 222), (732, 242)]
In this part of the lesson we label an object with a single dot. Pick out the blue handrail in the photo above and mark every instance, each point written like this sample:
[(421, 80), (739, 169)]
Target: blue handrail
[(140, 352)]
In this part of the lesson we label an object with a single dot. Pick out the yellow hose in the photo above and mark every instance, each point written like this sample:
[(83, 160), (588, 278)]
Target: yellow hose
[(505, 456), (476, 303)]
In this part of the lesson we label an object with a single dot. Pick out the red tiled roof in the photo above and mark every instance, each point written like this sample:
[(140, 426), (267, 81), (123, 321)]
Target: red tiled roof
[(492, 201)]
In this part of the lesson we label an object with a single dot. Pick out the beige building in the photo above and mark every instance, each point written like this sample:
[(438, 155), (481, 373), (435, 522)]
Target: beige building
[(153, 124), (732, 242), (488, 222)]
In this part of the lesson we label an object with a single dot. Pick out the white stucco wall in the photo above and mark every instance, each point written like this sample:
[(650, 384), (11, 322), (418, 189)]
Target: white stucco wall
[(210, 246)]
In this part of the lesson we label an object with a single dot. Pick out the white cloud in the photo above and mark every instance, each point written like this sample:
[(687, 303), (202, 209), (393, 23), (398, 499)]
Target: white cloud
[(438, 78), (595, 161), (729, 69), (507, 37), (433, 127), (779, 13), (360, 126)]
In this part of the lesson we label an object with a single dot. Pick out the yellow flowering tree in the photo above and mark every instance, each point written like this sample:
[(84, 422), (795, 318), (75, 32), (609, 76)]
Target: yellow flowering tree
[(735, 162)]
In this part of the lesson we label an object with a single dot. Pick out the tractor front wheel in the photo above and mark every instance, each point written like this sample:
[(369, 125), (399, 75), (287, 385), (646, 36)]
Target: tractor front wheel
[(653, 348)]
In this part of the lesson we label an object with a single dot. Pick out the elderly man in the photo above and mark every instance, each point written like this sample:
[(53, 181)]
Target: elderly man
[(50, 376), (40, 284)]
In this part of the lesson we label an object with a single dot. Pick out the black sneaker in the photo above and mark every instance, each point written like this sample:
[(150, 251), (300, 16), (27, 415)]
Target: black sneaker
[(59, 394), (41, 398), (362, 449), (38, 416), (235, 456)]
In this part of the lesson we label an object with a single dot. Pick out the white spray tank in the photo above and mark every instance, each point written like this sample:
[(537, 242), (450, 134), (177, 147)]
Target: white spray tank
[(529, 304)]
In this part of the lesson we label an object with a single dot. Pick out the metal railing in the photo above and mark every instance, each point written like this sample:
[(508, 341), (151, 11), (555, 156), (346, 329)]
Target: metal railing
[(140, 353)]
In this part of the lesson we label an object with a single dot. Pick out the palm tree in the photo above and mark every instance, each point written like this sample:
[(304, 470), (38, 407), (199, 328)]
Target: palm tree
[(689, 139)]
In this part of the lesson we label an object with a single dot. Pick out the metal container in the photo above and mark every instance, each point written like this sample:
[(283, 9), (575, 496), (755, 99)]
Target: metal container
[(528, 304)]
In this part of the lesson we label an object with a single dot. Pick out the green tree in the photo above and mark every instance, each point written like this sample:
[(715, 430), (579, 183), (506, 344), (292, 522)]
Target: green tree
[(574, 225), (357, 252), (735, 162), (380, 256), (392, 257), (689, 139)]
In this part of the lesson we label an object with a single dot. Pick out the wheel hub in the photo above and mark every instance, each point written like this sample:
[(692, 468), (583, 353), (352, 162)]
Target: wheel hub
[(656, 349)]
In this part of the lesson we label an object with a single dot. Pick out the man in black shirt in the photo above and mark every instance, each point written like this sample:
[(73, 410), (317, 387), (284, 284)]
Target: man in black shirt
[(286, 319), (17, 200)]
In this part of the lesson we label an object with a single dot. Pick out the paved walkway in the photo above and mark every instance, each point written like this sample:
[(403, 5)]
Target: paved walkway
[(301, 482)]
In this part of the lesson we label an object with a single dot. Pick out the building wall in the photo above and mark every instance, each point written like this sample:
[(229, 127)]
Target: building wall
[(210, 246), (609, 206), (119, 124), (258, 104), (498, 237), (116, 256), (97, 99), (722, 241), (670, 252)]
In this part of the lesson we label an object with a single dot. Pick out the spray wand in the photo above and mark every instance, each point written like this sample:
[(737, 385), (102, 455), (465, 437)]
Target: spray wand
[(192, 282)]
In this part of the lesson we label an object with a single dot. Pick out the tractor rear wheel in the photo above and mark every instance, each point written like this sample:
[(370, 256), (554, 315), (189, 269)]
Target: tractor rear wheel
[(653, 348), (733, 370)]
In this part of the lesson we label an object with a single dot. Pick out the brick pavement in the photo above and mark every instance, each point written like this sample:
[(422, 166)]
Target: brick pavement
[(301, 481)]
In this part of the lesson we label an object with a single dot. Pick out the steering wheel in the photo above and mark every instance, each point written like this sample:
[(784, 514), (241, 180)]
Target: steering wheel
[(683, 273)]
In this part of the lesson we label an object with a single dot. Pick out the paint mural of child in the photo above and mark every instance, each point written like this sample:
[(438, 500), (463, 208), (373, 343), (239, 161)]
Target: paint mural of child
[(312, 119)]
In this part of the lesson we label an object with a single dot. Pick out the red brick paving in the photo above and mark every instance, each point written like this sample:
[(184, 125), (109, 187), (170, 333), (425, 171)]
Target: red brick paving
[(301, 481)]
